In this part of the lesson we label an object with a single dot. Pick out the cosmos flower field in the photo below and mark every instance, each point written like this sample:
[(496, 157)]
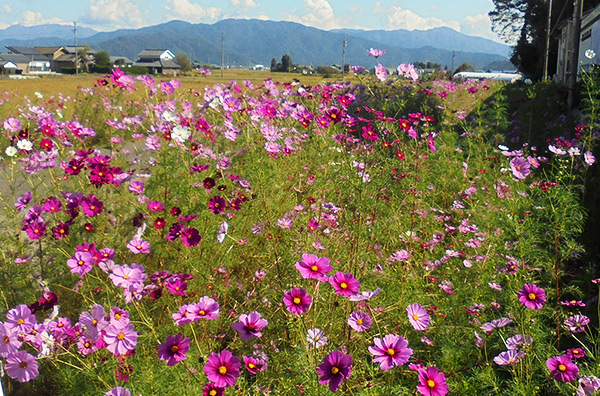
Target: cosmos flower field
[(394, 235)]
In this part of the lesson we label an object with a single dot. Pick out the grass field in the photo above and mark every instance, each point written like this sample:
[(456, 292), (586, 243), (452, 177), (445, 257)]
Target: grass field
[(67, 84)]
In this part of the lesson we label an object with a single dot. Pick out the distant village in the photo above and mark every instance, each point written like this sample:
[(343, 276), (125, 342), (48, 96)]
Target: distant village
[(21, 61)]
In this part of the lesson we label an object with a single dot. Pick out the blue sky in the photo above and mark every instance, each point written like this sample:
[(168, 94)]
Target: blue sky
[(467, 16)]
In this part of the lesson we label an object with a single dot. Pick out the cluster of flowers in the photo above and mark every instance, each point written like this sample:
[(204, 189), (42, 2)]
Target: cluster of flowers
[(24, 339)]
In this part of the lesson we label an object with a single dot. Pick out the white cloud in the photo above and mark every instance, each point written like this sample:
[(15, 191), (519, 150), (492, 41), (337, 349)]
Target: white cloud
[(4, 25), (8, 8), (31, 18), (321, 16), (123, 13), (244, 4), (400, 18), (479, 25), (191, 12)]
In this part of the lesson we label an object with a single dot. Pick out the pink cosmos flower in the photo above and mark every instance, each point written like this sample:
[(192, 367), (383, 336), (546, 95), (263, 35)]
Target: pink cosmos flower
[(120, 340), (9, 342), (381, 72), (359, 321), (21, 366), (532, 296), (207, 308), (391, 351), (376, 52), (20, 319), (562, 368), (249, 326), (313, 267), (138, 246), (344, 284), (118, 391), (174, 349), (520, 167), (418, 316), (223, 369), (432, 382), (80, 263), (335, 368), (297, 301)]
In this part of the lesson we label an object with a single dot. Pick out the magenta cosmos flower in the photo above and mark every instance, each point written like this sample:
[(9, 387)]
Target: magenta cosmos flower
[(223, 369), (418, 316), (391, 351), (562, 368), (21, 366), (313, 267), (344, 284), (532, 296), (296, 301), (211, 389), (254, 365), (432, 382), (335, 367), (174, 349), (250, 325), (120, 340)]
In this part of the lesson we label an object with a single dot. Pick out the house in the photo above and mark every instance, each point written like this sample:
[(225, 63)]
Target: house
[(589, 44), (121, 61), (63, 58), (158, 61), (28, 60)]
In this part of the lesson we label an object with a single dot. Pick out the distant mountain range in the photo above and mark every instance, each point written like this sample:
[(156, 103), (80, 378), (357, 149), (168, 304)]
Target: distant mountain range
[(250, 41)]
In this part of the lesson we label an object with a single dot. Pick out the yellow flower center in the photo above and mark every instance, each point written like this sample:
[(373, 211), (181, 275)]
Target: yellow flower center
[(531, 296), (213, 392), (314, 268), (251, 365), (562, 367), (297, 300), (360, 321), (23, 365), (80, 263), (202, 312), (335, 370), (391, 351), (222, 370), (174, 348), (416, 317), (121, 336), (431, 383), (20, 321), (118, 316), (344, 285)]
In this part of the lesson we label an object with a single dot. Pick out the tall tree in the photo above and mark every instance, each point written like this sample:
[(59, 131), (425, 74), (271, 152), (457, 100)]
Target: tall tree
[(523, 24), (286, 63), (184, 61)]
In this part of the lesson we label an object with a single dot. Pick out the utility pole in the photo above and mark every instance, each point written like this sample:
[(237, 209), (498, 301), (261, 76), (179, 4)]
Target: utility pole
[(547, 52), (573, 58), (344, 57), (76, 52), (222, 55)]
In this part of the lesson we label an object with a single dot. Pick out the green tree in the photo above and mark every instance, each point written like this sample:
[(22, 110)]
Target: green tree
[(184, 61), (102, 58), (523, 23), (286, 63)]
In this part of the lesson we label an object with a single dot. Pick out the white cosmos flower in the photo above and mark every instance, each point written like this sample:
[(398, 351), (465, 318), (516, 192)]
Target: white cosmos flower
[(11, 151), (24, 144), (181, 134)]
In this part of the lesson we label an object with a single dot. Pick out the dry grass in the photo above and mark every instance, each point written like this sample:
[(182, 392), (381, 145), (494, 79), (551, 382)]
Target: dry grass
[(68, 85)]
